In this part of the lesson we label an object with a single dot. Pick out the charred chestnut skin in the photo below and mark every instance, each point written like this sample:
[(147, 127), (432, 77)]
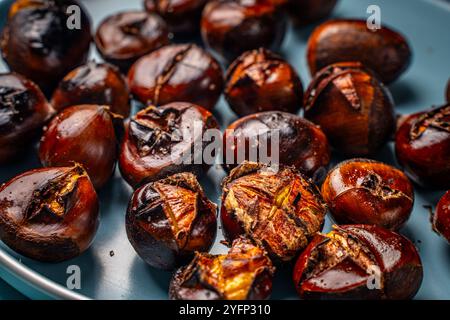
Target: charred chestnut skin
[(87, 134), (183, 72), (279, 210), (260, 80), (94, 83), (245, 265), (170, 219), (385, 51), (123, 38), (352, 107), (441, 219), (231, 27), (363, 191), (304, 12), (422, 146), (37, 43), (344, 277), (49, 214)]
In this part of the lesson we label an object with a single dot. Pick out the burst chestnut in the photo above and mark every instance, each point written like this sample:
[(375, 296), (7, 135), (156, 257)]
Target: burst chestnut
[(441, 219), (304, 12)]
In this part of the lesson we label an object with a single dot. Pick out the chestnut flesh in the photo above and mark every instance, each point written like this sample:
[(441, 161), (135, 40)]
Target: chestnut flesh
[(305, 12), (441, 219)]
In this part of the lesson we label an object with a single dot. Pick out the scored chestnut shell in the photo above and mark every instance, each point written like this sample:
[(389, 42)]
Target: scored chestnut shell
[(170, 219), (384, 51), (352, 107), (23, 112), (87, 134), (49, 214), (260, 80), (441, 219), (182, 72), (160, 141), (304, 12), (279, 210), (422, 145), (244, 273), (94, 83), (362, 191), (38, 43), (359, 262)]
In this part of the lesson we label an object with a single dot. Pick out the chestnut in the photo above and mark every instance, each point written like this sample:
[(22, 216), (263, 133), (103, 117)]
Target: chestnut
[(39, 43), (301, 143), (422, 145), (170, 219), (362, 191), (94, 83), (441, 219), (244, 273), (305, 12), (359, 262), (183, 72), (279, 210), (352, 107), (385, 51), (87, 134), (448, 91), (24, 110), (231, 27), (49, 214), (160, 141), (260, 80), (124, 37)]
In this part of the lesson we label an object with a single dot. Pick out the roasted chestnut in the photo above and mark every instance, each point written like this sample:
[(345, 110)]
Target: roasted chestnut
[(244, 273), (352, 107), (170, 219), (441, 219), (384, 51), (49, 214), (183, 72), (231, 27), (279, 210), (40, 42), (359, 262), (304, 12), (362, 191), (123, 38), (87, 134), (260, 80), (165, 140), (422, 145), (448, 91), (94, 83), (23, 112)]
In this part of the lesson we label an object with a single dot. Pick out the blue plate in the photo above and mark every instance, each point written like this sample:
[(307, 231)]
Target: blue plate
[(110, 269)]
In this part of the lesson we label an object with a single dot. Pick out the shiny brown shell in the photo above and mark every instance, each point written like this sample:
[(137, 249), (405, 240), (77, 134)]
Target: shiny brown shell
[(304, 12), (441, 218)]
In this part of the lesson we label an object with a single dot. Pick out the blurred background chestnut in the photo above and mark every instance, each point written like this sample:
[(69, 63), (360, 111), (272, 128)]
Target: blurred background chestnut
[(441, 218), (304, 12), (448, 91)]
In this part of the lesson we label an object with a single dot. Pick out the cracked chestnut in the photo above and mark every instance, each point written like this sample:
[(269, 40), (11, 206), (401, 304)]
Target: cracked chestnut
[(441, 219), (279, 210), (304, 12), (352, 107), (385, 51), (49, 214), (182, 72), (260, 80), (362, 191), (170, 219), (244, 273), (359, 262), (422, 145)]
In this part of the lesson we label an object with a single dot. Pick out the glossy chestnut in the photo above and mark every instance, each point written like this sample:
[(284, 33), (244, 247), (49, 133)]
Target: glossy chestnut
[(49, 214), (352, 107), (305, 12), (183, 72), (441, 219), (359, 262)]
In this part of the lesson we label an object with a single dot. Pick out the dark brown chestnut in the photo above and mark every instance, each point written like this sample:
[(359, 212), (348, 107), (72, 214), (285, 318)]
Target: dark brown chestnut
[(94, 83), (169, 220), (279, 210), (244, 273), (441, 219), (359, 262), (362, 191), (304, 12), (260, 80), (384, 51), (87, 134), (183, 72), (124, 37), (40, 42), (49, 214), (448, 91), (422, 145), (352, 107)]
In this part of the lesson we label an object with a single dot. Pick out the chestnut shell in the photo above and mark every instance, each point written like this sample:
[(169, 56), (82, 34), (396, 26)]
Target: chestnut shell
[(441, 219), (448, 91), (304, 12)]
